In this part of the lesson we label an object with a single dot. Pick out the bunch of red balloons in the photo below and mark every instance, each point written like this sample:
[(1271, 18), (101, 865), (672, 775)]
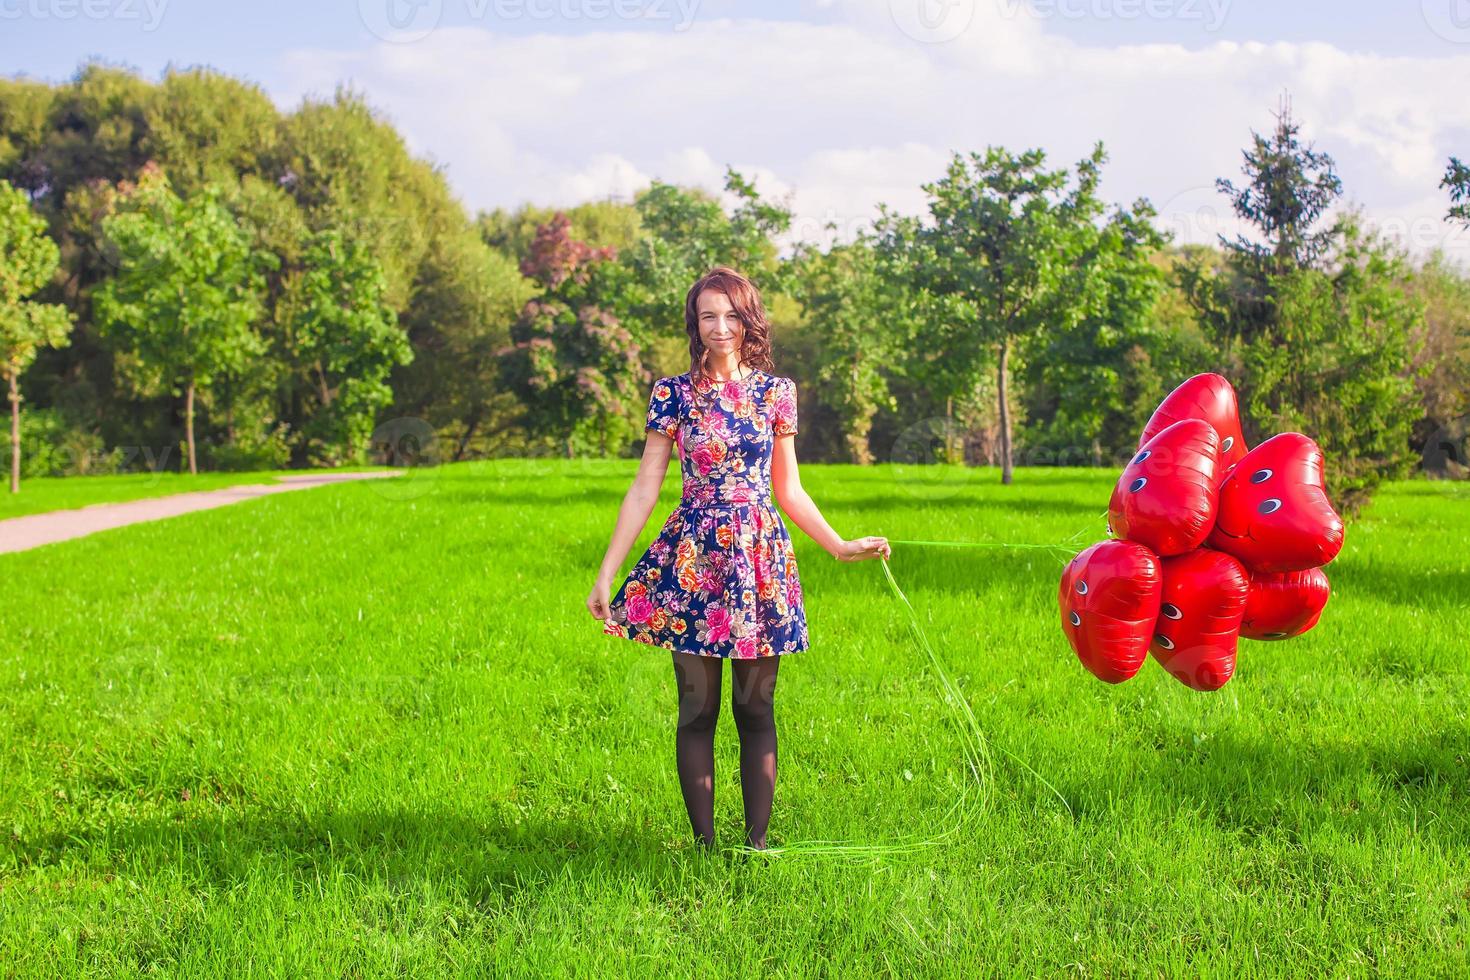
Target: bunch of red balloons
[(1212, 543)]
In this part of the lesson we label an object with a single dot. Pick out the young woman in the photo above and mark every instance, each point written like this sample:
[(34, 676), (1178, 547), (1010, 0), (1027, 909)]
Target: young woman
[(720, 582)]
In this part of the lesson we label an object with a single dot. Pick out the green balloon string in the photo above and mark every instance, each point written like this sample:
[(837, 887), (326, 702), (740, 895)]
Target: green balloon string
[(977, 747), (1058, 549), (982, 544)]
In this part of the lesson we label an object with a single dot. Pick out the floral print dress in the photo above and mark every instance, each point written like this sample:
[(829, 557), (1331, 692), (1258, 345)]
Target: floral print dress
[(720, 579)]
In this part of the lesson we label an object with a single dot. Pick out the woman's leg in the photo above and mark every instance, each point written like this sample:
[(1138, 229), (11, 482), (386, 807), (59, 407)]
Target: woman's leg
[(755, 719), (694, 742)]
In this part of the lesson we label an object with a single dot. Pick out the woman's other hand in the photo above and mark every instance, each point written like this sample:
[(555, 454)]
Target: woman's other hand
[(860, 549), (600, 598)]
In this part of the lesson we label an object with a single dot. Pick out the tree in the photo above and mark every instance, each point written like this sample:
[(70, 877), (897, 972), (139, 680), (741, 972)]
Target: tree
[(1009, 253), (348, 169), (1457, 182), (186, 296), (1315, 325), (1442, 365), (341, 331), (599, 223), (28, 260), (1338, 365), (204, 127), (332, 164), (857, 319), (574, 364), (1289, 189), (1091, 388), (24, 107), (466, 297)]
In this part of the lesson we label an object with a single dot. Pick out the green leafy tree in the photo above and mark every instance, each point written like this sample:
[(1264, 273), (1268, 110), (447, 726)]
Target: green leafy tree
[(263, 407), (25, 109), (70, 151), (28, 260), (186, 297), (1457, 182), (1314, 323), (575, 367), (1442, 366), (1090, 388), (348, 169), (1010, 252), (1288, 190), (856, 317), (600, 223), (466, 298), (204, 127), (342, 332), (1339, 363)]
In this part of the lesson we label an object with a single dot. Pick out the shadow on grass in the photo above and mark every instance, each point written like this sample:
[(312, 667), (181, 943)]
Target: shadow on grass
[(488, 861), (1402, 585), (1393, 788)]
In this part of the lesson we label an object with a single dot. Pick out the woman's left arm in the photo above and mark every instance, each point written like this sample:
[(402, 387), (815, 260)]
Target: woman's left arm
[(798, 505)]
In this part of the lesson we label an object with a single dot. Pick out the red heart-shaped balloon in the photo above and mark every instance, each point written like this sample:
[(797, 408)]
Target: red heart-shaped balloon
[(1109, 598), (1283, 604), (1274, 514), (1166, 497), (1198, 627), (1204, 396)]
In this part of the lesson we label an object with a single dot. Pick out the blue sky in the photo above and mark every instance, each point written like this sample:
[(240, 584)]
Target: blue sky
[(45, 40), (837, 104)]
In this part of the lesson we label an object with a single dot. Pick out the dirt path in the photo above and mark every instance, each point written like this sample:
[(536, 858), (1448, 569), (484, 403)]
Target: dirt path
[(34, 530)]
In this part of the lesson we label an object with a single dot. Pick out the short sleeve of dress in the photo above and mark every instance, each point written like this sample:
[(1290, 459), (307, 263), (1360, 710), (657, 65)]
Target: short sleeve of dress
[(783, 408), (663, 408)]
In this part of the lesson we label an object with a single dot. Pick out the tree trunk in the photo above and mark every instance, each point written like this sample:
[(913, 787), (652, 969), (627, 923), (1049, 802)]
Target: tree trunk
[(229, 414), (948, 429), (321, 378), (14, 377), (464, 440), (189, 424), (1005, 412)]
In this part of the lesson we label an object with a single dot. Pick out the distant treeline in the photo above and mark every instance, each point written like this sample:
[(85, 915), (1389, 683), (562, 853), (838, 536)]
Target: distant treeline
[(191, 271)]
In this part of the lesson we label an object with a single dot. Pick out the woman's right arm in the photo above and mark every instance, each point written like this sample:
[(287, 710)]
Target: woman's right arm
[(638, 504)]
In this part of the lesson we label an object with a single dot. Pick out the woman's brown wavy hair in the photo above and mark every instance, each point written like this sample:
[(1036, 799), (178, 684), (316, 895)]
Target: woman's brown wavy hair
[(755, 350)]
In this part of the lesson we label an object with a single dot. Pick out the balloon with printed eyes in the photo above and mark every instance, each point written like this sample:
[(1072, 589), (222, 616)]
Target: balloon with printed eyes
[(1274, 514), (1202, 602), (1284, 604), (1211, 542), (1166, 497), (1109, 600), (1211, 398)]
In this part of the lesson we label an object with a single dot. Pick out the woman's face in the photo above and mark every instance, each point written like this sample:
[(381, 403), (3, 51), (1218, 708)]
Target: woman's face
[(720, 329)]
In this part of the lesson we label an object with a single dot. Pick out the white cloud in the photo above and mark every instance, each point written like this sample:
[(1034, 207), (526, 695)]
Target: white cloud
[(854, 110)]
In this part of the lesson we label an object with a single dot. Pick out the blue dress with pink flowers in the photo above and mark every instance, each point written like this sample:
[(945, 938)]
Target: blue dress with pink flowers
[(720, 579)]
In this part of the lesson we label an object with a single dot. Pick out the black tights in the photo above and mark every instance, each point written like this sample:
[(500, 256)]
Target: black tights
[(694, 742)]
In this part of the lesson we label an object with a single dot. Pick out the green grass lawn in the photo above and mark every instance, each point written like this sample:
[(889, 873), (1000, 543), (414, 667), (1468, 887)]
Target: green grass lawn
[(371, 728), (39, 495)]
